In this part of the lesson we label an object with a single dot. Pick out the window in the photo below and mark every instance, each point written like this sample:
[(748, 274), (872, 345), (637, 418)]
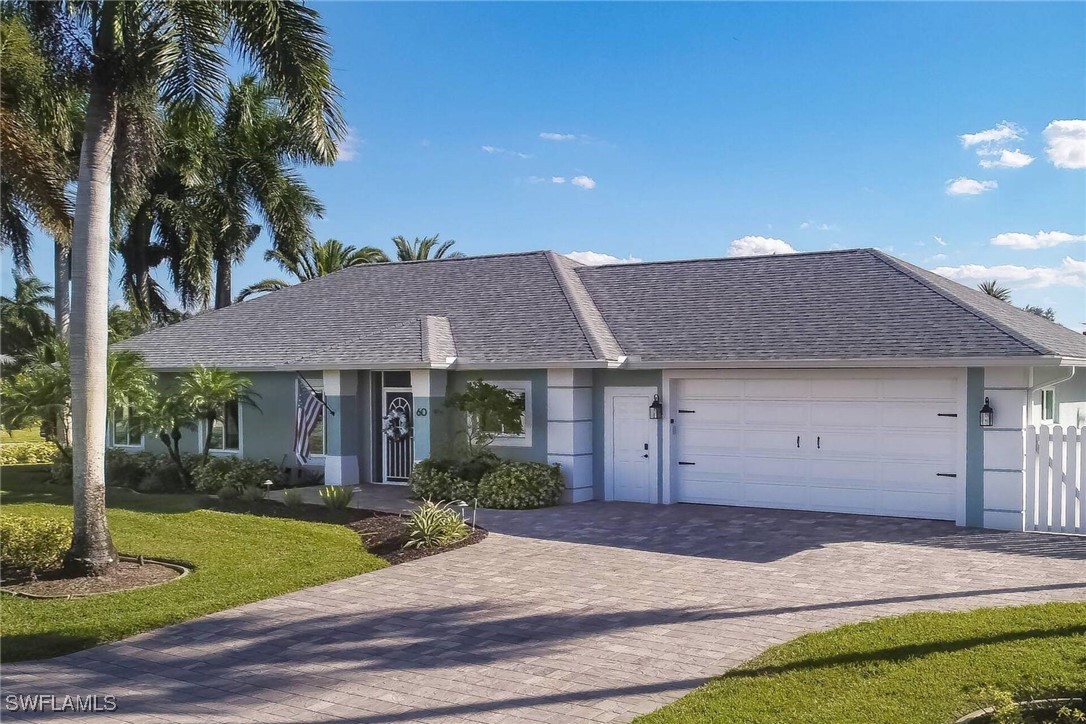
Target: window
[(513, 438), (226, 430), (1048, 405), (316, 438), (126, 428)]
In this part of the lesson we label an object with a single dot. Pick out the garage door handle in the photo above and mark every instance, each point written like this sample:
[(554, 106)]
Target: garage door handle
[(797, 440), (946, 475), (685, 463), (818, 442), (947, 414), (687, 412)]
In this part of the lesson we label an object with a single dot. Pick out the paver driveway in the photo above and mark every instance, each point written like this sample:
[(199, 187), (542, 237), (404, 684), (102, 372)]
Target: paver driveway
[(594, 612)]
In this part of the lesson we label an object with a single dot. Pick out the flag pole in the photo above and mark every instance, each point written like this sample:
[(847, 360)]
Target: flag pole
[(319, 398)]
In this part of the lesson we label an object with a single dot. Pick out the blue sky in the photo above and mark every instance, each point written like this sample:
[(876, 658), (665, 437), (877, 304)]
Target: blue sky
[(689, 127)]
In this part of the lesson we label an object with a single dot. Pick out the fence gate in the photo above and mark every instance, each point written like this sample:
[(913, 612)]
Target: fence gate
[(398, 426), (1055, 493)]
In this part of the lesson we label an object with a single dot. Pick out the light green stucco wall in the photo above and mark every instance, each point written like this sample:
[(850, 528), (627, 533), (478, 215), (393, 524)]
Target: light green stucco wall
[(621, 378)]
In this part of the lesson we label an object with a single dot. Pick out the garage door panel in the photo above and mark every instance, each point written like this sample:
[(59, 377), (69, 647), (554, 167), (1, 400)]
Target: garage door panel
[(778, 389), (871, 441)]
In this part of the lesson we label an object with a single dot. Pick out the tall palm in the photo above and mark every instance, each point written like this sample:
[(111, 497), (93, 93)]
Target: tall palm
[(177, 49), (420, 249), (995, 289), (209, 390), (318, 259), (24, 318)]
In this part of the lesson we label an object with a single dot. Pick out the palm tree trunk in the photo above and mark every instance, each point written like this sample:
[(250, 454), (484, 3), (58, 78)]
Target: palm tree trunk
[(92, 551), (62, 269), (223, 275)]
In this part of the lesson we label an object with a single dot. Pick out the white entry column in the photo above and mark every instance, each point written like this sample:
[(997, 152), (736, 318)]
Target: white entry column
[(341, 430), (569, 430), (1004, 447)]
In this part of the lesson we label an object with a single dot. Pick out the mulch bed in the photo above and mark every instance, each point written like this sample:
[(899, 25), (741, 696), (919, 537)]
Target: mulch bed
[(128, 575), (382, 534)]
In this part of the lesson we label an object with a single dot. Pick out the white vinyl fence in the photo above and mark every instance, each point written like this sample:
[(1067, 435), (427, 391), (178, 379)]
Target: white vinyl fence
[(1055, 491)]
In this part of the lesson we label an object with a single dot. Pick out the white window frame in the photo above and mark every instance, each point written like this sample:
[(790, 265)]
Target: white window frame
[(241, 436), (113, 428), (317, 385), (1054, 409), (525, 440)]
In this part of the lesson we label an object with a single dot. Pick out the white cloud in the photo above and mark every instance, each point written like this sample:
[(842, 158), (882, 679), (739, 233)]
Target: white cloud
[(1071, 273), (1008, 159), (348, 147), (827, 227), (584, 182), (1066, 143), (557, 136), (819, 227), (504, 152), (1040, 240), (968, 187), (759, 246), (993, 136), (595, 258), (939, 240), (558, 179), (805, 225)]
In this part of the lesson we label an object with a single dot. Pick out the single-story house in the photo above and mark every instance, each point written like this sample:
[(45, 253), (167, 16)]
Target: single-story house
[(846, 381)]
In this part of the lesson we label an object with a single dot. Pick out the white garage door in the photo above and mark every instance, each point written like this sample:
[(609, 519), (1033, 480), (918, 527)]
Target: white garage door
[(881, 443)]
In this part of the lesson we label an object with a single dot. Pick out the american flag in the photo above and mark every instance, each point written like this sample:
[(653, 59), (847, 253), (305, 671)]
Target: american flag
[(305, 419)]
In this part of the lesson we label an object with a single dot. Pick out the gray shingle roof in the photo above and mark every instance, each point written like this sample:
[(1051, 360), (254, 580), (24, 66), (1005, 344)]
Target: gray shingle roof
[(508, 308), (855, 304), (538, 307)]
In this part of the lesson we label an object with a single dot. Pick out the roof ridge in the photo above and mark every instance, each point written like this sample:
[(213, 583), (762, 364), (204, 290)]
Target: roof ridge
[(597, 332), (371, 332), (659, 262), (429, 332), (904, 268)]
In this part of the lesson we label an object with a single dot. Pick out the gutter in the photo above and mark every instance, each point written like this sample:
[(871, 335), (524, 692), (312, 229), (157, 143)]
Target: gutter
[(1043, 386)]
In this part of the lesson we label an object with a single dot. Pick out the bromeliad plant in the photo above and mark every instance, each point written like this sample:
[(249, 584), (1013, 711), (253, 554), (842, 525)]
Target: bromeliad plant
[(337, 497)]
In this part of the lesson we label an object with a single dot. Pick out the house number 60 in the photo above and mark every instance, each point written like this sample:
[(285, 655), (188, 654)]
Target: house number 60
[(421, 412)]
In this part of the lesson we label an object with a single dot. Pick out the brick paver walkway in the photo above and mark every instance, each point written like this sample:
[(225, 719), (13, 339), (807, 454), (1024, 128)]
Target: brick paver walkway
[(587, 613)]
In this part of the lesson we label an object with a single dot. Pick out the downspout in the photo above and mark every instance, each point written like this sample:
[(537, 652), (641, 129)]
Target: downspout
[(1033, 388)]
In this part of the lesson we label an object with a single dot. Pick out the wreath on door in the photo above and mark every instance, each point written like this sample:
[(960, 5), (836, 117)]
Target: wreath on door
[(396, 425)]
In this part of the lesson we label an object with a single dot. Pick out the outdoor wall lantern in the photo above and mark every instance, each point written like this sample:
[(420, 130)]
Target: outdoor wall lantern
[(656, 409), (987, 414)]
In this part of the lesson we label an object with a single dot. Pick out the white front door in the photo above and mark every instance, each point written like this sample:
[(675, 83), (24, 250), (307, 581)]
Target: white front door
[(630, 441)]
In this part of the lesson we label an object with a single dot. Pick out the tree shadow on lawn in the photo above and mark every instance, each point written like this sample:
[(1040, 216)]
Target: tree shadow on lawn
[(265, 650)]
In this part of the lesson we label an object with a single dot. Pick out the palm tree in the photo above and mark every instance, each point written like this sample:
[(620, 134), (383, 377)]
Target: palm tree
[(319, 259), (175, 50), (40, 110), (24, 320), (209, 390), (419, 249), (994, 289)]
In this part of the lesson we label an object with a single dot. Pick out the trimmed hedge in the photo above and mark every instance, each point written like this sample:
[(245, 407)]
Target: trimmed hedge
[(518, 486), (27, 453), (492, 482), (237, 473), (33, 544)]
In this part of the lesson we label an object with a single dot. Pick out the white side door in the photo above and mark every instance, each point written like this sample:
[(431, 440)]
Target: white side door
[(630, 445)]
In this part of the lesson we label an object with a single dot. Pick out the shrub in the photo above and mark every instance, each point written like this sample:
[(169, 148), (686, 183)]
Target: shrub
[(293, 498), (28, 453), (152, 484), (432, 480), (228, 492), (61, 471), (164, 477), (128, 470), (238, 473), (337, 497), (432, 525), (521, 485), (33, 544), (251, 494)]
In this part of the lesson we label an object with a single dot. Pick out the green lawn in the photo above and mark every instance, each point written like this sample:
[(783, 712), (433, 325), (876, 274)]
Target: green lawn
[(925, 667), (236, 558), (30, 434)]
